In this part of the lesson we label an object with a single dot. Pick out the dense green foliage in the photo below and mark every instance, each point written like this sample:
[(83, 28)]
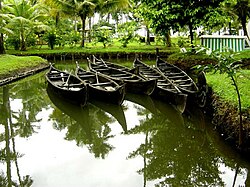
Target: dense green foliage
[(70, 22), (25, 19), (239, 9), (166, 15)]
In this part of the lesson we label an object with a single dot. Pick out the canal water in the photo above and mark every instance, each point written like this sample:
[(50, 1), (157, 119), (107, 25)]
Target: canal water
[(46, 141)]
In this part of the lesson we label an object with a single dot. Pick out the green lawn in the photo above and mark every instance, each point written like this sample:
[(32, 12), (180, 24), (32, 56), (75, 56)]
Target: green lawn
[(222, 85), (11, 63), (115, 47)]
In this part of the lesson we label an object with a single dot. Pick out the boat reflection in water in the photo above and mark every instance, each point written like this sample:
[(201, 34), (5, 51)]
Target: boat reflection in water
[(90, 124), (143, 100), (114, 110)]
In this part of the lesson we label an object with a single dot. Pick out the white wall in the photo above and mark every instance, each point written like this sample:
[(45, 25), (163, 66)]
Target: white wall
[(248, 28)]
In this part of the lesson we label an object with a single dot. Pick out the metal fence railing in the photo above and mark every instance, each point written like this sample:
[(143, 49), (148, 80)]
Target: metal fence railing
[(222, 43)]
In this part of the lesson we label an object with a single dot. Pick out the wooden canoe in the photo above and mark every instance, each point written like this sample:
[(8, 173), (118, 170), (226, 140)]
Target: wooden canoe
[(134, 83), (111, 65), (165, 89), (67, 86), (101, 87), (180, 78), (196, 91)]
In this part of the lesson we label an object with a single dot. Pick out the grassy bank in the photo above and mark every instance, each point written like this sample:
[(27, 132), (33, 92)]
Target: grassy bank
[(222, 86), (222, 106), (10, 64), (91, 48)]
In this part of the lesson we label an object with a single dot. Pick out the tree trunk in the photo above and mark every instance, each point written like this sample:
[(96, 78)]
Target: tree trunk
[(168, 39), (148, 36), (244, 26), (240, 113), (230, 28), (2, 50), (22, 44), (90, 29), (75, 22), (83, 18), (57, 18), (190, 25)]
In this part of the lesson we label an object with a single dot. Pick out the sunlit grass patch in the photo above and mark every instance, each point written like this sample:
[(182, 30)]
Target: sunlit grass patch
[(11, 63), (222, 85)]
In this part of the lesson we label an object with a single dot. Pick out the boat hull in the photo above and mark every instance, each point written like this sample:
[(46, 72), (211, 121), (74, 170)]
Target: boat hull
[(179, 100), (75, 97), (140, 87), (101, 87), (115, 97), (164, 90), (67, 86)]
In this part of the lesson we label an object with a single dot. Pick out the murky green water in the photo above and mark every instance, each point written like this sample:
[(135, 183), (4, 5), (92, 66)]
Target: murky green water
[(49, 143)]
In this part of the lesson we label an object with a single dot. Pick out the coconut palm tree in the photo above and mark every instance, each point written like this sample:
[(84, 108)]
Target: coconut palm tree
[(26, 17), (75, 8), (86, 8), (4, 18)]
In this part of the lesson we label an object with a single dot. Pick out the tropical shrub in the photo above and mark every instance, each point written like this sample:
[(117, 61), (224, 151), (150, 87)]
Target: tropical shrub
[(50, 37), (14, 42), (103, 32), (126, 32)]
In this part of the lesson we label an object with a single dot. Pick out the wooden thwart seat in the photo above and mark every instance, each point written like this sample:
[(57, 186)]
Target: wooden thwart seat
[(187, 85), (100, 69), (71, 85), (176, 77), (119, 74), (102, 84), (85, 75), (173, 73), (154, 76), (180, 81), (163, 84)]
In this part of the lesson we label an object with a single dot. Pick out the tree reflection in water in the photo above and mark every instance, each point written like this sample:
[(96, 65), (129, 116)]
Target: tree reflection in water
[(19, 122), (9, 153), (176, 151)]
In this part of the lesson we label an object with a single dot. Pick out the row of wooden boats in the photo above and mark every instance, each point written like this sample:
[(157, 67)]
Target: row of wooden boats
[(110, 82)]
